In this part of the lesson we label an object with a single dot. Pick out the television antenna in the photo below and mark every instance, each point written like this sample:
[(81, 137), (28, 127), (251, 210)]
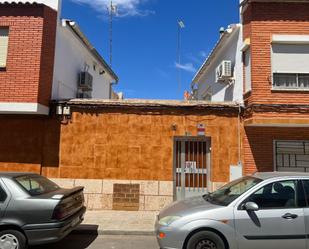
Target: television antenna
[(112, 9), (180, 26)]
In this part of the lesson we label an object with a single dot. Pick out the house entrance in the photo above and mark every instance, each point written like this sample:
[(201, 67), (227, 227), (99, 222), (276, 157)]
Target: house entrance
[(191, 166)]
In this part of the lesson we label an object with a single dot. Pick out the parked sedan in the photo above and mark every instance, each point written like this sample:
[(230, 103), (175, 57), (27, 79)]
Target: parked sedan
[(34, 210), (265, 210)]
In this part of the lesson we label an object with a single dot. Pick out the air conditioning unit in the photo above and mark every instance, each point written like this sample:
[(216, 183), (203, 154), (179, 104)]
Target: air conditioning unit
[(224, 71), (85, 81)]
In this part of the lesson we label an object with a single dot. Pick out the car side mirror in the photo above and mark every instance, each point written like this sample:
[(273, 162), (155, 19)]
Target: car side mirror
[(251, 206)]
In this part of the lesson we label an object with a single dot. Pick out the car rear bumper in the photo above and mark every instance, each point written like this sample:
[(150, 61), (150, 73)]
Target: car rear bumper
[(38, 234)]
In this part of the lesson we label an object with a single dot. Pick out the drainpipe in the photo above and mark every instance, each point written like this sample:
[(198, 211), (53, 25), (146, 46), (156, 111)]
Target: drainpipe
[(239, 136)]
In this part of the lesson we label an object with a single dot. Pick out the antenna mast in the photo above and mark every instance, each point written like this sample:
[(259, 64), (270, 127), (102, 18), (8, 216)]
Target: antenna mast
[(180, 26), (111, 13)]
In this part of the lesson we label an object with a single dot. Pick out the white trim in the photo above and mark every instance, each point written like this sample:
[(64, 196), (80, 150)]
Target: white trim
[(23, 108), (290, 39), (274, 89)]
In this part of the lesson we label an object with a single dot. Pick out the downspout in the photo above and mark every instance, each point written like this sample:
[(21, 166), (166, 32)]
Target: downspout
[(239, 135), (43, 146)]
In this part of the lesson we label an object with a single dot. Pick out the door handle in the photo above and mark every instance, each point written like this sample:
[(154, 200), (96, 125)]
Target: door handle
[(289, 216)]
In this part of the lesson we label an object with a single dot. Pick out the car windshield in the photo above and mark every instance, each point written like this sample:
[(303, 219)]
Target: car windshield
[(36, 185), (228, 193)]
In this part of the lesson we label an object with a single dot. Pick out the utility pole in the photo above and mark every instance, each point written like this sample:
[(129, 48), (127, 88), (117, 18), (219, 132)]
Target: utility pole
[(180, 26)]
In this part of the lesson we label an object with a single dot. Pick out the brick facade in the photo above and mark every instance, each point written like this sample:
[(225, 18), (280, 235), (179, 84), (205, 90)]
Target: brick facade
[(271, 115), (259, 145), (126, 197), (29, 71), (261, 21)]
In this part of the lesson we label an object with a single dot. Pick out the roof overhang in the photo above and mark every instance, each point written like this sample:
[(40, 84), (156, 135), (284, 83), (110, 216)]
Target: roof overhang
[(144, 104)]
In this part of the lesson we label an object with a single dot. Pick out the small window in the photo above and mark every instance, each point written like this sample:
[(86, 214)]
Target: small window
[(3, 195), (4, 40), (277, 195), (291, 81)]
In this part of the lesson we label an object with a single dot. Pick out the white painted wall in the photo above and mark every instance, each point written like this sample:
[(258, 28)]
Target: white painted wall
[(231, 50), (71, 58)]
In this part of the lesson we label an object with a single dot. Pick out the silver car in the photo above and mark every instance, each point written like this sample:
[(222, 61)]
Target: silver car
[(262, 211), (35, 211)]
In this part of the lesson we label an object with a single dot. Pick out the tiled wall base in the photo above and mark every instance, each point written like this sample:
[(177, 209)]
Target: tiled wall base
[(99, 194)]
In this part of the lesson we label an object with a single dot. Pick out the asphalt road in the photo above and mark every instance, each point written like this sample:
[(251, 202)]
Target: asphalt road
[(103, 242)]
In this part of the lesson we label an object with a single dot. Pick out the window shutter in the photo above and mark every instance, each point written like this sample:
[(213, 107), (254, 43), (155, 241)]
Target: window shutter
[(4, 41), (290, 58)]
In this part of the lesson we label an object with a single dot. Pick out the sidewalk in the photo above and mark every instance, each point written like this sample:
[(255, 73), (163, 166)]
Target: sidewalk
[(118, 223)]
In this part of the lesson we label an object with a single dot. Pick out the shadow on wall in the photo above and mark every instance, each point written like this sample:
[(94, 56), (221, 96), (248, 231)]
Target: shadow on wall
[(260, 142), (27, 143)]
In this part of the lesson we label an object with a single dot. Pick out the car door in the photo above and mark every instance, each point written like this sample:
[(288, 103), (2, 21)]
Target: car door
[(279, 222), (305, 184)]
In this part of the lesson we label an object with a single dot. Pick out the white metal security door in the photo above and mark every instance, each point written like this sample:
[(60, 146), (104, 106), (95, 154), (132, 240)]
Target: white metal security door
[(191, 166)]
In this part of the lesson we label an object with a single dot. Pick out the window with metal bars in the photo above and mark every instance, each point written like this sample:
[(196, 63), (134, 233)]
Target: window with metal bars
[(292, 155)]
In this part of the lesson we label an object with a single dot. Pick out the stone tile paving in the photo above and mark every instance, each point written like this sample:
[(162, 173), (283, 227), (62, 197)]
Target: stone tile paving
[(121, 221)]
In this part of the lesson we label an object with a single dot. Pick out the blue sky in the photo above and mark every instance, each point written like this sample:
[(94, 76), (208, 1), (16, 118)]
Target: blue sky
[(145, 39)]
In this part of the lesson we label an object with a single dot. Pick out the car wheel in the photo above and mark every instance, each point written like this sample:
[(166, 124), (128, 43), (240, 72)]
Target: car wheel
[(12, 239), (205, 240)]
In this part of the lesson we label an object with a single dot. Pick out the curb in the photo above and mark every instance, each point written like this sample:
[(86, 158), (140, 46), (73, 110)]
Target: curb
[(93, 230)]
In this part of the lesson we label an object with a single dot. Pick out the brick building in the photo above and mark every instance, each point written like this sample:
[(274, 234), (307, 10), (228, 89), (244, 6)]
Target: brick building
[(265, 59), (28, 33), (44, 58), (276, 94)]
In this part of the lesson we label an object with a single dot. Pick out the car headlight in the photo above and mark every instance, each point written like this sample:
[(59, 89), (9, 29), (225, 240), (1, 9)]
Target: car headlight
[(166, 221)]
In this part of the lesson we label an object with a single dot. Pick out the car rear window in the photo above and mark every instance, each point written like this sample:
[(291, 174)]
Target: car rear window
[(36, 185)]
